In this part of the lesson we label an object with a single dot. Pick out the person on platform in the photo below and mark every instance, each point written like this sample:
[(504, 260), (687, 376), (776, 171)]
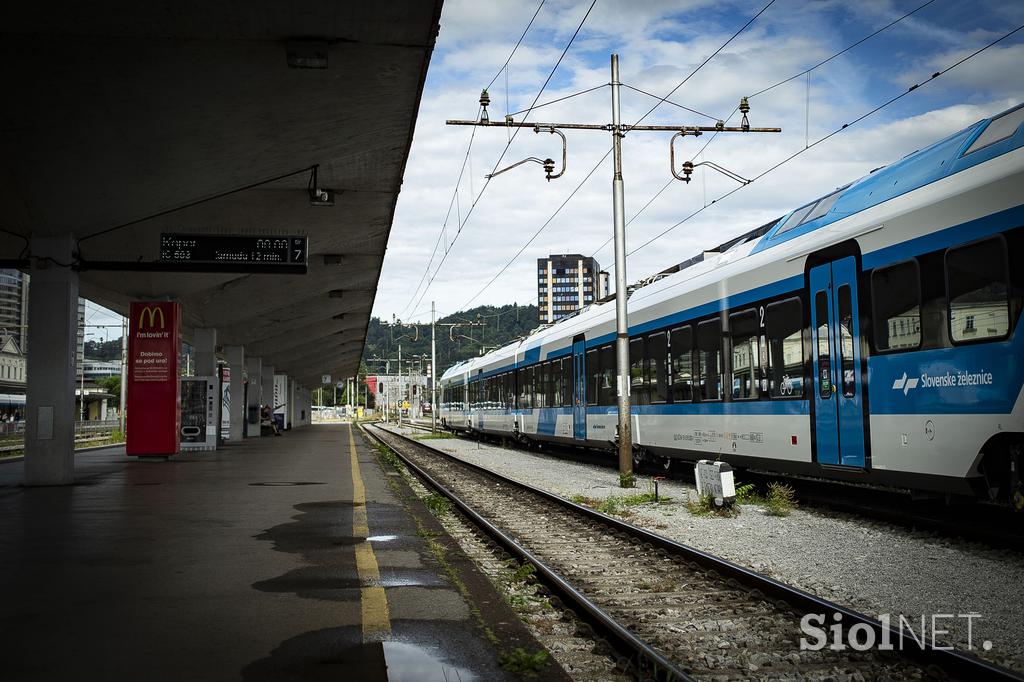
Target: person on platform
[(267, 421)]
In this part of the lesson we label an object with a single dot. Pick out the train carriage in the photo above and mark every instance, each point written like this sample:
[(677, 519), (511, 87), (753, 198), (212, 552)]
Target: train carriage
[(869, 335)]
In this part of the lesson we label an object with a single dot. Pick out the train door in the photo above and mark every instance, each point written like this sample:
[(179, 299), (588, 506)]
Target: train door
[(838, 385), (579, 389)]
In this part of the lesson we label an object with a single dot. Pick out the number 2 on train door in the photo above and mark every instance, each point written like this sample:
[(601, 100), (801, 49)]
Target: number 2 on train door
[(838, 386)]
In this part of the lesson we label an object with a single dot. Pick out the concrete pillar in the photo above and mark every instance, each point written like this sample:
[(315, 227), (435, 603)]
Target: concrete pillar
[(290, 413), (52, 347), (255, 371), (303, 404), (205, 343), (268, 386), (235, 356)]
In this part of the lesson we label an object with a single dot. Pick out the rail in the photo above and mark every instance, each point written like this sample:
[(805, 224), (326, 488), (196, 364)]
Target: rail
[(934, 654)]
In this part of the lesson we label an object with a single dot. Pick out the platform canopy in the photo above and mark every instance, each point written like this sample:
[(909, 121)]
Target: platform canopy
[(118, 111)]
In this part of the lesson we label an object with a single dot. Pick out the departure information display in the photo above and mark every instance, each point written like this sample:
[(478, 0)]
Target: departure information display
[(260, 250)]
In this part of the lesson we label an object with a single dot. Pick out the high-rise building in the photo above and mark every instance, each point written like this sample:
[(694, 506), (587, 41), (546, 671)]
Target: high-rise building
[(14, 307), (567, 282), (80, 353)]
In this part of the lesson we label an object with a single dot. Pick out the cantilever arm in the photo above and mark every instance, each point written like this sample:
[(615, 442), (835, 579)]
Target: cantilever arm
[(688, 166), (548, 164)]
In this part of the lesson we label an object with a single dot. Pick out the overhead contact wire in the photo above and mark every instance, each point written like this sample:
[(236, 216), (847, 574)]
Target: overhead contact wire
[(483, 189), (832, 134), (660, 101), (504, 68), (764, 90)]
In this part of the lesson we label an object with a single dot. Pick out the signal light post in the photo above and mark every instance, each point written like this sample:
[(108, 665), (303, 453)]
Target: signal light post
[(618, 131)]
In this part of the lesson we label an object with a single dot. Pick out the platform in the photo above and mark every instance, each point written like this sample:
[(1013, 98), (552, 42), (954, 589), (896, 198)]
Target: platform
[(260, 561)]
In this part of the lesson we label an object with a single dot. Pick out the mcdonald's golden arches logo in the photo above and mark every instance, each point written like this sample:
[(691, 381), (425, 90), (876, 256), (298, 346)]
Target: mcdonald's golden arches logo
[(152, 313)]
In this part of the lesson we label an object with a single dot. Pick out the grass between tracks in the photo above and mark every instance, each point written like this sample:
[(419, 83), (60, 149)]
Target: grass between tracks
[(620, 505)]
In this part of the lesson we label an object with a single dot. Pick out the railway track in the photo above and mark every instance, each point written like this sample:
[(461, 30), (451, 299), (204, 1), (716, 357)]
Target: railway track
[(672, 612), (973, 521)]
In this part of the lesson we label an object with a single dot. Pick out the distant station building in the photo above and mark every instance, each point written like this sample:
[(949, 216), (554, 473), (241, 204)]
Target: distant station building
[(567, 282)]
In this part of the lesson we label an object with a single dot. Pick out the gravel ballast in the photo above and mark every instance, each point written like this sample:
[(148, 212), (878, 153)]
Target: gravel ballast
[(872, 567)]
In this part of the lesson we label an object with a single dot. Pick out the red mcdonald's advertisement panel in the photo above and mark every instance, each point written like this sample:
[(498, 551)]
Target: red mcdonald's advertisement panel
[(154, 398)]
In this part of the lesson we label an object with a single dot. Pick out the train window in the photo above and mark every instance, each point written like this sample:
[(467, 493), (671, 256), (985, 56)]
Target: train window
[(568, 387), (824, 205), (709, 359), (637, 373), (998, 129), (593, 376), (896, 294), (743, 330), (795, 219), (543, 385), (606, 389), (682, 365), (525, 388), (824, 352), (510, 390), (784, 323), (554, 381), (657, 367), (976, 282), (848, 380)]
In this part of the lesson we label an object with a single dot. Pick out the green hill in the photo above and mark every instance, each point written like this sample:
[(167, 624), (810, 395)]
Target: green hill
[(501, 325)]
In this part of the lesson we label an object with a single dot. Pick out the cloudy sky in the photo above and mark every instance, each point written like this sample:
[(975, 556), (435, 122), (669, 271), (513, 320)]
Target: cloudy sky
[(661, 43)]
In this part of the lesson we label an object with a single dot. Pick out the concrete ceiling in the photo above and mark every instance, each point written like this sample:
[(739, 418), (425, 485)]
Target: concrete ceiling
[(115, 114)]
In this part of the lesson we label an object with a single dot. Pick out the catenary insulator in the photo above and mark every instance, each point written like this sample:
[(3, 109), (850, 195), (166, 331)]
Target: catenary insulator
[(485, 99)]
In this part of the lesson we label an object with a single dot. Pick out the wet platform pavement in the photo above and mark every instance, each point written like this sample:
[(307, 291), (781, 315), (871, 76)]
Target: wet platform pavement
[(292, 558)]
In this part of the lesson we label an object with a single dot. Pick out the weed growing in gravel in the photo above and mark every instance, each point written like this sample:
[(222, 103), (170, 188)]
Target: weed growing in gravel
[(645, 498), (747, 494), (439, 505), (619, 506), (705, 505), (521, 574), (781, 499), (389, 457), (585, 501), (627, 480), (440, 435), (519, 662), (427, 534)]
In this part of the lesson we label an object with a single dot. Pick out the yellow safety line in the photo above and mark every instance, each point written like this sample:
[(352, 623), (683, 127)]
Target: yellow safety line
[(374, 602)]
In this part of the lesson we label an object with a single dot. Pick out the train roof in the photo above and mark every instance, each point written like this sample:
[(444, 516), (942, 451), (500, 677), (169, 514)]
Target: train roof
[(965, 149), (979, 142)]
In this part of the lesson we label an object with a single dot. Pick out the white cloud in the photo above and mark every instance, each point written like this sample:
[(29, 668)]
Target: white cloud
[(660, 43)]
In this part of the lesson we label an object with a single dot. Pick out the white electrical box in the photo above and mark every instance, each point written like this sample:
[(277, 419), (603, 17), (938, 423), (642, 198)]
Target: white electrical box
[(715, 479), (200, 397)]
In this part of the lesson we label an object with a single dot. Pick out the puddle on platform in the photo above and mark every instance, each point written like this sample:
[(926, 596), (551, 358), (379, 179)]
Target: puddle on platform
[(406, 581), (412, 663), (346, 541)]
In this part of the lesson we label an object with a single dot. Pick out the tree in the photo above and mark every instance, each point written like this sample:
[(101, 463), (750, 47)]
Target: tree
[(502, 325), (111, 385)]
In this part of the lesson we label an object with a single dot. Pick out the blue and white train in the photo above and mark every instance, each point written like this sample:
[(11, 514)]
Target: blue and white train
[(868, 336)]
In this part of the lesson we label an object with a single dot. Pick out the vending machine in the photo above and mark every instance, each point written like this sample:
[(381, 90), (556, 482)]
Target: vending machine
[(199, 414)]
